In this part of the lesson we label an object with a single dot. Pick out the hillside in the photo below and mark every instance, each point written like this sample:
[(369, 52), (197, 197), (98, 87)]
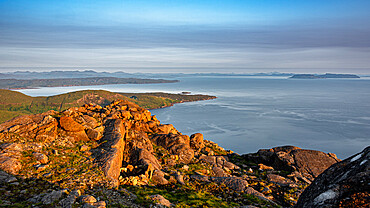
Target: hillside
[(122, 156), (14, 103)]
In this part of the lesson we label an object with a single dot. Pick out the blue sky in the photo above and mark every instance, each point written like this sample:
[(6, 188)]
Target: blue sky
[(187, 36)]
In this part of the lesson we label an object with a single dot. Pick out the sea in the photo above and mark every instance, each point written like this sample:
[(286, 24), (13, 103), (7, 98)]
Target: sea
[(252, 113)]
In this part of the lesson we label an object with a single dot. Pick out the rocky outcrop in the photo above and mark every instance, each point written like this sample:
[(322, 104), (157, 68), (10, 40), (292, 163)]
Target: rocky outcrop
[(196, 141), (39, 127), (344, 184), (310, 163), (235, 183), (110, 153), (68, 124), (176, 144), (10, 164), (94, 148), (160, 201)]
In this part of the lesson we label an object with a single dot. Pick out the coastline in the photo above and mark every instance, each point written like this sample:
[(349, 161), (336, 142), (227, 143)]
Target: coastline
[(212, 98)]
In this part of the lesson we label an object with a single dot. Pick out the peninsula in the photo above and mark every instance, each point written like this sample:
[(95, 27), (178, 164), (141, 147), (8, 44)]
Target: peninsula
[(13, 103)]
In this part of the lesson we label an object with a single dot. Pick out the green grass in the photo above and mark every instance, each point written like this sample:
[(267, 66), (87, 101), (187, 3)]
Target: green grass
[(255, 200), (181, 196)]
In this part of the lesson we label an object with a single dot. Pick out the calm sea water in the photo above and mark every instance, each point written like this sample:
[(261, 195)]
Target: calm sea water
[(250, 113)]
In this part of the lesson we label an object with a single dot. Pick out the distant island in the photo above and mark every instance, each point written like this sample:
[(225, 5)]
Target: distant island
[(323, 76), (62, 82)]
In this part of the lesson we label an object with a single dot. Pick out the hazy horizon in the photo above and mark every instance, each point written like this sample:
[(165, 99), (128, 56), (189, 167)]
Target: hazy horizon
[(187, 36), (163, 70)]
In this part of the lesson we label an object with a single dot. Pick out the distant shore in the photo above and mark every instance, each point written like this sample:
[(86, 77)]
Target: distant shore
[(67, 82), (324, 76)]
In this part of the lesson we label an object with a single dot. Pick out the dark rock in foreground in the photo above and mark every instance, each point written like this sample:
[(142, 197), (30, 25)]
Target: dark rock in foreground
[(344, 184), (309, 163)]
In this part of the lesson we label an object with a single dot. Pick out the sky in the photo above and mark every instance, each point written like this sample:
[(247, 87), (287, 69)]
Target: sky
[(239, 36)]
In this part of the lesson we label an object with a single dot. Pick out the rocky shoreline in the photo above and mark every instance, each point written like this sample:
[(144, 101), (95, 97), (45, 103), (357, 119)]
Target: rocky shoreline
[(122, 156)]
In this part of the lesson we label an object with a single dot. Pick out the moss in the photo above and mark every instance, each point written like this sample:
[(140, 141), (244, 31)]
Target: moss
[(18, 205), (251, 199)]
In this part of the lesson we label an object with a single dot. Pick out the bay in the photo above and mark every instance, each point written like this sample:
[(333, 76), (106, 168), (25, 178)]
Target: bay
[(251, 113)]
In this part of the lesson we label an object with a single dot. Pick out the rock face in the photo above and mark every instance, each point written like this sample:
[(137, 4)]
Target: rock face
[(110, 153), (196, 141), (41, 127), (344, 184), (161, 201), (235, 183), (176, 144), (68, 124), (10, 164), (310, 163)]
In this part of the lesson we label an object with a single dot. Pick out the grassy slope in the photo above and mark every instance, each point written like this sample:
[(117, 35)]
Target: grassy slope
[(14, 103)]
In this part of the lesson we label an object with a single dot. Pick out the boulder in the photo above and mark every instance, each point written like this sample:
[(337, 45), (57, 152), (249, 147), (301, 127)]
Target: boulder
[(200, 178), (220, 161), (219, 172), (70, 125), (280, 180), (310, 163), (144, 157), (93, 134), (51, 197), (6, 178), (344, 184), (176, 145), (158, 178), (88, 199), (179, 178), (89, 121), (252, 191), (235, 183), (263, 167), (166, 129), (196, 141), (40, 157), (84, 148), (160, 201), (10, 164), (137, 140)]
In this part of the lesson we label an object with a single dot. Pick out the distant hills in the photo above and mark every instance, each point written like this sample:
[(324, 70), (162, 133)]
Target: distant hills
[(63, 74), (119, 74), (323, 76), (26, 75), (33, 83)]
